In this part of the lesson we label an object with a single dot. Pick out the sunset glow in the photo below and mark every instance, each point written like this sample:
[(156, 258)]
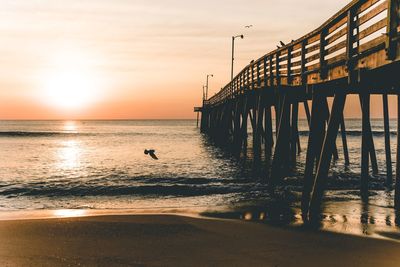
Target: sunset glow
[(69, 82), (134, 59)]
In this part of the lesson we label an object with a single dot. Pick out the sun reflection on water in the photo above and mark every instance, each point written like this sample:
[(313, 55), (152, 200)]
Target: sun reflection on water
[(70, 126), (69, 155), (69, 213)]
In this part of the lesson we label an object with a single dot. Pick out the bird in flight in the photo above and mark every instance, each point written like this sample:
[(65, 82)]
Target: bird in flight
[(248, 26), (151, 153)]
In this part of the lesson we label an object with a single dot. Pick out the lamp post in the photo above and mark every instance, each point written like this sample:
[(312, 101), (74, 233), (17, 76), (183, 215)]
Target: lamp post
[(208, 75), (204, 93), (233, 51)]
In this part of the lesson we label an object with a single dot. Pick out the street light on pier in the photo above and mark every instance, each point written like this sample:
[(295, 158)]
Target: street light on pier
[(208, 75), (233, 51)]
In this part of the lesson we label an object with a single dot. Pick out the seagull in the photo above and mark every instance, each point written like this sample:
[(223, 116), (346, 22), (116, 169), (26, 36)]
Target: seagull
[(282, 43), (248, 26), (151, 153)]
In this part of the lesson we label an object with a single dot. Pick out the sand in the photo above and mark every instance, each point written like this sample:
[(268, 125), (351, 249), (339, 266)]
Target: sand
[(169, 240)]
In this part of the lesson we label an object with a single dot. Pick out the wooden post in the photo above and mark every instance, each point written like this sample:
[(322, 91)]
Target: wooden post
[(269, 135), (327, 115), (259, 128), (351, 24), (276, 120), (326, 155), (279, 97), (303, 65), (397, 189), (282, 145), (245, 113), (294, 133), (298, 142), (324, 112), (237, 125), (307, 111), (322, 52), (344, 142), (289, 65), (314, 141), (269, 139), (271, 73), (265, 73), (370, 140), (392, 29), (365, 146), (204, 119), (389, 176), (231, 120)]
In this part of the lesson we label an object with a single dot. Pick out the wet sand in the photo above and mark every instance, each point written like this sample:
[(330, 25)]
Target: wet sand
[(169, 240)]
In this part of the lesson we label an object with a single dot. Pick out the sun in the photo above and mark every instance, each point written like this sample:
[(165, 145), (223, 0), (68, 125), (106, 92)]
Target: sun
[(70, 83), (69, 89)]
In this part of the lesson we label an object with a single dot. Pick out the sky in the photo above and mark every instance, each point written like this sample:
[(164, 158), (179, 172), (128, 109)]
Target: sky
[(134, 59)]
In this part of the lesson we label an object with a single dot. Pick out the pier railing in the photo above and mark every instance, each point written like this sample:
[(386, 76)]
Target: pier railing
[(363, 35)]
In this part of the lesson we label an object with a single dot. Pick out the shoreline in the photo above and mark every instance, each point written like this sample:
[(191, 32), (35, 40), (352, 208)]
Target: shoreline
[(176, 240), (205, 213)]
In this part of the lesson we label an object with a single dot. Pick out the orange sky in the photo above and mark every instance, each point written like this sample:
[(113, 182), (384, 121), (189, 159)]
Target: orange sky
[(136, 59)]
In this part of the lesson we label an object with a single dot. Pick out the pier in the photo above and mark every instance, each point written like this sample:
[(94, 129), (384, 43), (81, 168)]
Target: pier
[(355, 52)]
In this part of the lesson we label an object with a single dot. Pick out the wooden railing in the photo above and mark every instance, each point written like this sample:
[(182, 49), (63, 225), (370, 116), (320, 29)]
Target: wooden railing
[(363, 35)]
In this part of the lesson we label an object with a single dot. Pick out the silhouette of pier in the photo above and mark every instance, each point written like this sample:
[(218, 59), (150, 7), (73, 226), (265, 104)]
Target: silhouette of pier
[(355, 52)]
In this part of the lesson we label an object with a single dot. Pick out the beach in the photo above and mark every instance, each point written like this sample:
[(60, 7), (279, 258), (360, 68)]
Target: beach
[(173, 240)]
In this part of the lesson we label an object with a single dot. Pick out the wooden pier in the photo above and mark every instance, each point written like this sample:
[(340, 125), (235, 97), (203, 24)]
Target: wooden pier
[(355, 52)]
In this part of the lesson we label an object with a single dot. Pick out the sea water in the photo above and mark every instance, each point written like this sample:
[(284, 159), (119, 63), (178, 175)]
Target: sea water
[(101, 165)]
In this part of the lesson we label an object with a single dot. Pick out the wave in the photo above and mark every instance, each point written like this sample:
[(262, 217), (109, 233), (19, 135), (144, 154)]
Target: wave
[(35, 134), (61, 133), (123, 190)]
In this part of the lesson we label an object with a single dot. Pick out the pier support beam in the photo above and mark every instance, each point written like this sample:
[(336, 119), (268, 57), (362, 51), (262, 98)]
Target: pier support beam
[(282, 147), (326, 155), (365, 144), (307, 111), (327, 114), (344, 141), (244, 135), (389, 177), (367, 133), (258, 116), (397, 189), (317, 128), (237, 140), (269, 139), (294, 140)]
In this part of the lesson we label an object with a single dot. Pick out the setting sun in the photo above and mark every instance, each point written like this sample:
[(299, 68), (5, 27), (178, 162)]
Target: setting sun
[(69, 89), (71, 83)]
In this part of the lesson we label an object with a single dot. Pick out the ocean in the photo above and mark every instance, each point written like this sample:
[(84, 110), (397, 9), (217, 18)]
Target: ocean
[(101, 165)]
